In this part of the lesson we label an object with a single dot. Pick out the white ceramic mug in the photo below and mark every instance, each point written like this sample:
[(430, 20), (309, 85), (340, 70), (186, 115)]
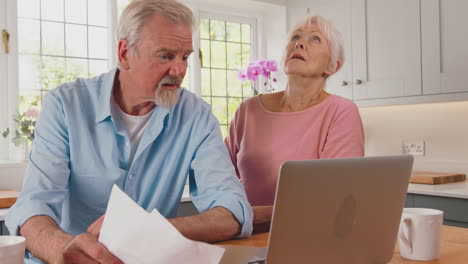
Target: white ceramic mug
[(12, 249), (419, 234)]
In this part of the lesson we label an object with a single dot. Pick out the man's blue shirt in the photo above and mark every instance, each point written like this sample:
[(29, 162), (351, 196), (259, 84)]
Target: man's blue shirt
[(80, 150)]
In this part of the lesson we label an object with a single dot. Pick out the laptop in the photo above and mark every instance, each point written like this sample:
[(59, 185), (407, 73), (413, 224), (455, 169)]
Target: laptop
[(337, 211)]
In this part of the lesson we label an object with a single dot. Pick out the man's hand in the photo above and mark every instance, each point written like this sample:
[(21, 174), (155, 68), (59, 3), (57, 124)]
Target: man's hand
[(46, 241), (85, 248), (95, 228)]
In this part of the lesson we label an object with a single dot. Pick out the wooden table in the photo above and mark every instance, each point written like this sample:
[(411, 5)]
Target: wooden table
[(453, 247)]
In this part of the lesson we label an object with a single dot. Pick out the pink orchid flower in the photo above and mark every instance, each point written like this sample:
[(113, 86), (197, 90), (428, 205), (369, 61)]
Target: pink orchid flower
[(242, 75), (253, 71), (32, 112)]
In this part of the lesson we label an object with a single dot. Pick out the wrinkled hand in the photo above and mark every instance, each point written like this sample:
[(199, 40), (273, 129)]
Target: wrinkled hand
[(95, 228), (85, 248)]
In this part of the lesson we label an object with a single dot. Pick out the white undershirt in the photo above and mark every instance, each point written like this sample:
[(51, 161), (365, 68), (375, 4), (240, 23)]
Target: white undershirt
[(135, 126)]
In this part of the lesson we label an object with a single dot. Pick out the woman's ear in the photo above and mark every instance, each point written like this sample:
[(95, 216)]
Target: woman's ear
[(331, 70), (123, 51)]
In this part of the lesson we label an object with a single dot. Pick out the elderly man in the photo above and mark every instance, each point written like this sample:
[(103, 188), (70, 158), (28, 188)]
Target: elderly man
[(136, 128)]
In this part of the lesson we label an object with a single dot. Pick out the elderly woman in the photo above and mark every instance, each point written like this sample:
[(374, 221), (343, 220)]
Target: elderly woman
[(303, 122)]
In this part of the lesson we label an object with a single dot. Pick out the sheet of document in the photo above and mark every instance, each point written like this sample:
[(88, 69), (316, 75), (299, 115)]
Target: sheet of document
[(136, 236)]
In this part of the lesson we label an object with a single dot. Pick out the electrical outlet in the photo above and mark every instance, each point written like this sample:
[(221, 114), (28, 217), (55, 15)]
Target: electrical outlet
[(415, 148)]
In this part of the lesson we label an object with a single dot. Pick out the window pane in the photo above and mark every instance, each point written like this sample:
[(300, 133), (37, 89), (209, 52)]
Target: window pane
[(245, 55), (29, 69), (233, 32), (26, 100), (76, 68), (218, 84), (52, 10), (217, 30), (28, 8), (186, 82), (224, 130), (232, 107), (205, 52), (98, 47), (52, 38), (97, 12), (204, 28), (53, 72), (220, 109), (207, 99), (75, 11), (246, 33), (121, 5), (218, 54), (234, 84), (205, 82), (234, 56), (247, 89), (29, 36), (97, 67), (76, 42)]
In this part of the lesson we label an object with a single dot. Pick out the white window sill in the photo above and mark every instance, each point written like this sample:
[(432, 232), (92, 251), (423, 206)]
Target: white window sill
[(13, 164)]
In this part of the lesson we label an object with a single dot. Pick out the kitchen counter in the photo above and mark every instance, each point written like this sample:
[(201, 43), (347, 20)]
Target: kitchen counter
[(453, 190)]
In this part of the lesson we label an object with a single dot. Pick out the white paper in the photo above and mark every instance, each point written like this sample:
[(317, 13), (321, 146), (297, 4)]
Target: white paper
[(135, 236)]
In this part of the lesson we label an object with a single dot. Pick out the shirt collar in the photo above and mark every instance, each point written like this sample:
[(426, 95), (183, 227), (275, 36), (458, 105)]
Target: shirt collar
[(104, 107)]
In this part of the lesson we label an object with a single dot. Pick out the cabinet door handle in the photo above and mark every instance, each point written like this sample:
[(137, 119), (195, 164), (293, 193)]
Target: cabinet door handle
[(5, 38), (344, 83), (358, 82)]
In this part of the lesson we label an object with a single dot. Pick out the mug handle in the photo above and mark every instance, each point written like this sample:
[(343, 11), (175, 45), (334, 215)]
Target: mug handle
[(405, 224)]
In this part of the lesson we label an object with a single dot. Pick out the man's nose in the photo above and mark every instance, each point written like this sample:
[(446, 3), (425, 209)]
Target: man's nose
[(178, 68)]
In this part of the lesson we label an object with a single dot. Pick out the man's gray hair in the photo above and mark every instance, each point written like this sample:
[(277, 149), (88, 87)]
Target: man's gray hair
[(137, 13)]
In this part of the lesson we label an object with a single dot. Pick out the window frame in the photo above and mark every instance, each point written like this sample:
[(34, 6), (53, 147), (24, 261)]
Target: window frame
[(211, 15), (9, 82)]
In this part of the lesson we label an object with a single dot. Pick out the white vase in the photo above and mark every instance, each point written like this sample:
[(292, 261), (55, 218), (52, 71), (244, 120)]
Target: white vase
[(20, 153)]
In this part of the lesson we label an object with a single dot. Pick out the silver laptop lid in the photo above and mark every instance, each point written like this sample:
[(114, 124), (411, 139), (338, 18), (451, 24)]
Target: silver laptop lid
[(338, 210)]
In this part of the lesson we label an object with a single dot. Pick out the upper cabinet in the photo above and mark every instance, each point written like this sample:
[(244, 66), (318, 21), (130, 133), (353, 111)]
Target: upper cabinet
[(444, 46), (386, 48), (397, 52)]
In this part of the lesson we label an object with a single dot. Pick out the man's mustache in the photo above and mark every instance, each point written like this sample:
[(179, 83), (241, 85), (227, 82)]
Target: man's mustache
[(171, 80)]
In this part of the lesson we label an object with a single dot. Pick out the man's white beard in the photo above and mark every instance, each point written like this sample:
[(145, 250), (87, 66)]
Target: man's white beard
[(165, 97)]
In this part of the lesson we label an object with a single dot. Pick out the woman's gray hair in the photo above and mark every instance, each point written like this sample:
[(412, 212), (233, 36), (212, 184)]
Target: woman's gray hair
[(137, 13), (335, 40)]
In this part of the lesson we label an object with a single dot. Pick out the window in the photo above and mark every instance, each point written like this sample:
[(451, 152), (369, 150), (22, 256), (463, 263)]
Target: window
[(58, 41), (226, 45)]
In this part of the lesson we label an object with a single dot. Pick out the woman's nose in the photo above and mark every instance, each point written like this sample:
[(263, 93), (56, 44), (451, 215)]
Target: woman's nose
[(299, 45)]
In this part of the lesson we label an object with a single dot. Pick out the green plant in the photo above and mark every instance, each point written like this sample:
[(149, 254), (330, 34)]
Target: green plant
[(26, 125)]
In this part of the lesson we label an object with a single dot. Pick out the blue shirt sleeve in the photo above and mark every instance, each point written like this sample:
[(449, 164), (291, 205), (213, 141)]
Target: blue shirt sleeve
[(46, 180), (213, 180)]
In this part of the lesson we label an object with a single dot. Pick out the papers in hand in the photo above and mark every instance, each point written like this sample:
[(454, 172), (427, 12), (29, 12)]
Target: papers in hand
[(135, 236)]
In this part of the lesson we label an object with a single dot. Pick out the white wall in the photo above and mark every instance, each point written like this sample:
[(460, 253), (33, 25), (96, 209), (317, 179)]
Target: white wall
[(443, 127)]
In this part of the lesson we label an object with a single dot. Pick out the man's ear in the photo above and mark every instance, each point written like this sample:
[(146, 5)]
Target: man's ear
[(123, 52)]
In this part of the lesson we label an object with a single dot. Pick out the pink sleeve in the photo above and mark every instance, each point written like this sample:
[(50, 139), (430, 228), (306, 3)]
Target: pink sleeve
[(345, 137), (232, 140)]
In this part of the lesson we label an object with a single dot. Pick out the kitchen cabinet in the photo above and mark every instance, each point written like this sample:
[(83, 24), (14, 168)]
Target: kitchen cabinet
[(455, 209), (397, 52), (383, 54), (187, 208), (3, 229), (444, 46)]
